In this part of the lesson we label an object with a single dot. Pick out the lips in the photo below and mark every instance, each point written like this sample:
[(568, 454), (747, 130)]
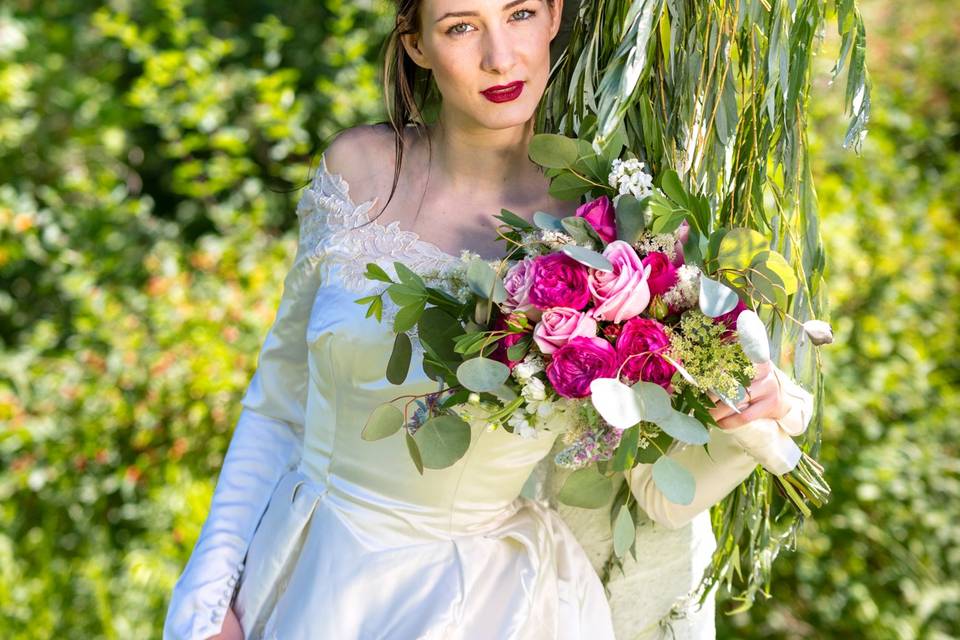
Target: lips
[(504, 92)]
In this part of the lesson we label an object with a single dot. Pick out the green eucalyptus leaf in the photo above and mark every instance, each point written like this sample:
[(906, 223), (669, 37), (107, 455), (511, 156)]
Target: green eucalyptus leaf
[(624, 532), (684, 428), (752, 336), (567, 186), (580, 230), (716, 298), (546, 221), (384, 421), (654, 399), (482, 374), (414, 451), (399, 364), (674, 481), (631, 218), (588, 257), (553, 151), (586, 488), (485, 282), (442, 441)]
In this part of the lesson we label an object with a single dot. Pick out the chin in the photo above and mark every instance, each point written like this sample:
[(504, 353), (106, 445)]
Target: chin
[(506, 115)]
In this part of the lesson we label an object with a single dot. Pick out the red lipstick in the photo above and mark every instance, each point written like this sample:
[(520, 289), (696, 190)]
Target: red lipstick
[(503, 92)]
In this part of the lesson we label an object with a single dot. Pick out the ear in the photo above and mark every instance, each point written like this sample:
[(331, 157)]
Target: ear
[(411, 44), (556, 17)]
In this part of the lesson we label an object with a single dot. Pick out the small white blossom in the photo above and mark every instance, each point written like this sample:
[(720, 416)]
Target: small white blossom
[(534, 390), (686, 292), (630, 176), (521, 425)]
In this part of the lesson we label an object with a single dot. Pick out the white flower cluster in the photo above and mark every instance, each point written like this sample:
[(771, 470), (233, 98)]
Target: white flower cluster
[(538, 410), (665, 243), (686, 292), (630, 176)]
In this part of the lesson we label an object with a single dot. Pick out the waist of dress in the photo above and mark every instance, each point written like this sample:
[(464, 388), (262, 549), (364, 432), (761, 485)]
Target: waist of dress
[(375, 516)]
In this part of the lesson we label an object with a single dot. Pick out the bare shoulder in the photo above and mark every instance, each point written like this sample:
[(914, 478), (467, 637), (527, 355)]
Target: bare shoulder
[(364, 156)]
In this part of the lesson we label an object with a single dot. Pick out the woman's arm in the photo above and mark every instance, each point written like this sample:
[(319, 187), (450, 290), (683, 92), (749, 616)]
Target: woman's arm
[(732, 453)]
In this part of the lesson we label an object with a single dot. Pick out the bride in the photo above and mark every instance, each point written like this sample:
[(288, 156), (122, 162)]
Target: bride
[(316, 533)]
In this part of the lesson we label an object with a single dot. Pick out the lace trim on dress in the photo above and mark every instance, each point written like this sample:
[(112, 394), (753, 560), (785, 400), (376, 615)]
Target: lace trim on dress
[(332, 225)]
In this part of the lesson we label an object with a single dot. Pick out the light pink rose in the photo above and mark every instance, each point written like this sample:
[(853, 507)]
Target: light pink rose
[(623, 293), (559, 324), (517, 282), (681, 235), (600, 214)]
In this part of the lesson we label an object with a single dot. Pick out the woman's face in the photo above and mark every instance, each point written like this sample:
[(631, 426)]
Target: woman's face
[(490, 58)]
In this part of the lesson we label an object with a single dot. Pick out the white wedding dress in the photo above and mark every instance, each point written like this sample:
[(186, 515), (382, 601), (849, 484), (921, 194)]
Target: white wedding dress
[(354, 544)]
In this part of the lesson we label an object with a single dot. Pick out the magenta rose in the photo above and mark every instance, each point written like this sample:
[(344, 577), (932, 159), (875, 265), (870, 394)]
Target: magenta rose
[(639, 345), (622, 293), (682, 233), (663, 275), (559, 324), (578, 363), (558, 281), (600, 214), (729, 320), (499, 352), (517, 282)]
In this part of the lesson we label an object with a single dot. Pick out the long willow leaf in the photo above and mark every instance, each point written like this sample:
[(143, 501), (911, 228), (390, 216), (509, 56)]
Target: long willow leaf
[(718, 90)]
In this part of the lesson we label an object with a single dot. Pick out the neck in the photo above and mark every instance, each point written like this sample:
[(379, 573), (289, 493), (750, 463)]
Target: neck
[(471, 158)]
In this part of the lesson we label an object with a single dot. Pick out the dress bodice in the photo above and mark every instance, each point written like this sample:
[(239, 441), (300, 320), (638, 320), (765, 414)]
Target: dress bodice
[(347, 356)]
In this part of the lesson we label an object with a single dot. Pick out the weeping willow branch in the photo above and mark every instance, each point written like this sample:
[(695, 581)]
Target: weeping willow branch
[(719, 91)]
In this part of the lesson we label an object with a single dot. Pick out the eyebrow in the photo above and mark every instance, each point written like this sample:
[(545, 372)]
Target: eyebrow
[(461, 14)]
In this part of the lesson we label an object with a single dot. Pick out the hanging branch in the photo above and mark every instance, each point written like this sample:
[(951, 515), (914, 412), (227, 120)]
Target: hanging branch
[(718, 91)]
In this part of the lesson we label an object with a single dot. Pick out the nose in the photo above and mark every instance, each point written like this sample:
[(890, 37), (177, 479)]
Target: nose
[(498, 51)]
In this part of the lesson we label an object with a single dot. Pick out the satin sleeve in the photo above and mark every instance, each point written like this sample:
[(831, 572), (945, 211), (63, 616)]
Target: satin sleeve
[(267, 441), (730, 457)]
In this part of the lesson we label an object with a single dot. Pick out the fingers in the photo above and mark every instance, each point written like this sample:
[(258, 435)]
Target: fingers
[(768, 406), (765, 399)]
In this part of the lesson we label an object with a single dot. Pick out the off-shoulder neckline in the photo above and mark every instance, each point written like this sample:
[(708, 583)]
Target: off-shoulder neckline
[(362, 208)]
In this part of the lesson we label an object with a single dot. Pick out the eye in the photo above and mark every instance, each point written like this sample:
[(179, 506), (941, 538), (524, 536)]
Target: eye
[(455, 30), (530, 13)]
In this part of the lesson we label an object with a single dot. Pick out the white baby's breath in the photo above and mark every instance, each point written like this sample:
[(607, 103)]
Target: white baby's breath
[(686, 292), (630, 176)]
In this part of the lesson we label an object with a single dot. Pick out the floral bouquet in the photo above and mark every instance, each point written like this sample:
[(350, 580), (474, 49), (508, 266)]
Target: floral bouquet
[(619, 326)]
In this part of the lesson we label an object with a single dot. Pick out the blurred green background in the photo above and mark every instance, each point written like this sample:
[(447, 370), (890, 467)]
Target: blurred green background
[(150, 156)]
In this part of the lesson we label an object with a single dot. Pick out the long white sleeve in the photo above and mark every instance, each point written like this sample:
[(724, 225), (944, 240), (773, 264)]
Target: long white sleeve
[(267, 442)]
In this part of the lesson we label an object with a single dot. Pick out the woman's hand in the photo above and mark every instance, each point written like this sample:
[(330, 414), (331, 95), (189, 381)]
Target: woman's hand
[(765, 399), (231, 627)]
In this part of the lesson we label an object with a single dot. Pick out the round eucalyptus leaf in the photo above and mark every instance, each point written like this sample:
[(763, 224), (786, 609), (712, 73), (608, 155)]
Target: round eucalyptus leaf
[(552, 150), (684, 428), (485, 282), (384, 421), (442, 441), (482, 374), (776, 263), (588, 257), (716, 298), (654, 400), (752, 335), (616, 403), (547, 222), (587, 489), (674, 481)]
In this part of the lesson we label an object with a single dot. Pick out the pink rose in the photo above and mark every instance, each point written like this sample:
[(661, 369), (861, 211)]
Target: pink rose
[(499, 352), (578, 363), (600, 214), (559, 324), (729, 320), (639, 345), (682, 233), (517, 282), (622, 293), (559, 281), (663, 275)]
